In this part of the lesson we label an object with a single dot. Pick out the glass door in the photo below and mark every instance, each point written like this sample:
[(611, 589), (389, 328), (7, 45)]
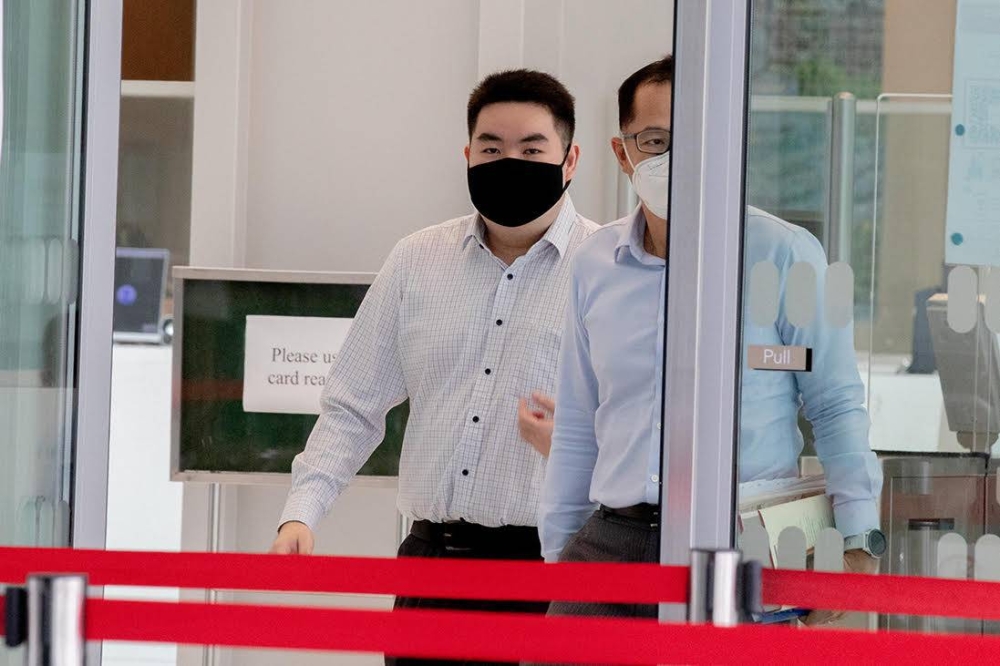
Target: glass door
[(40, 160), (865, 247), (59, 68), (869, 369), (39, 251)]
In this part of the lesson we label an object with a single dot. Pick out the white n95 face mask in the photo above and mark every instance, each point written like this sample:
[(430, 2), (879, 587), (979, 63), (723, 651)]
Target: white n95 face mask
[(651, 182)]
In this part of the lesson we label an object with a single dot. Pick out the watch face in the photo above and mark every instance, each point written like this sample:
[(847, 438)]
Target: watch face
[(876, 543)]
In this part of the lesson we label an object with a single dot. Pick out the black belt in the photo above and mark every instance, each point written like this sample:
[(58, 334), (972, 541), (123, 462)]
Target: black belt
[(647, 514), (470, 537)]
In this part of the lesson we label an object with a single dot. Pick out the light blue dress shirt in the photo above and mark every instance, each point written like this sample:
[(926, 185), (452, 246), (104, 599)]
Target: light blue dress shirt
[(606, 442)]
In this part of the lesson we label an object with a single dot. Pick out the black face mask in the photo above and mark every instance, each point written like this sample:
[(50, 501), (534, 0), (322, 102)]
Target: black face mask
[(513, 192)]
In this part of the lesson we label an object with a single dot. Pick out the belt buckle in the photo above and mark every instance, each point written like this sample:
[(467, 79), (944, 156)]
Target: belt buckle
[(654, 521), (448, 539)]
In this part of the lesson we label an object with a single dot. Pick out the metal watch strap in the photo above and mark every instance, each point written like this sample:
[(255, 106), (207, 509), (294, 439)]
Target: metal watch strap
[(856, 542)]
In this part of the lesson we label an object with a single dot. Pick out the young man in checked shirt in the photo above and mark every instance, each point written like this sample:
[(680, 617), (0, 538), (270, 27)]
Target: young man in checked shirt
[(464, 319)]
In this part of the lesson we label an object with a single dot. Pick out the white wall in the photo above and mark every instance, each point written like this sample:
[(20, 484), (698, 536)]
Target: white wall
[(347, 130), (325, 131), (357, 124)]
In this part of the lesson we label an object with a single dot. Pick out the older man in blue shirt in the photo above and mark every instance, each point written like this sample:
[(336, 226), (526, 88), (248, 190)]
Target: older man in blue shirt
[(600, 500)]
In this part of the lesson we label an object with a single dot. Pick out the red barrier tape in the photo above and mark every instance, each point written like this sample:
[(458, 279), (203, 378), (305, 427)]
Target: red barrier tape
[(506, 580), (902, 595), (507, 637), (413, 577)]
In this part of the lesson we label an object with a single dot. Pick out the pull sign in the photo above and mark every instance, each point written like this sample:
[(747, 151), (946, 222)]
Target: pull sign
[(772, 357)]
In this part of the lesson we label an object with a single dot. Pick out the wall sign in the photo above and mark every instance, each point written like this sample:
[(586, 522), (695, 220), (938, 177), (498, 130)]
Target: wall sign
[(287, 360), (777, 357), (973, 218)]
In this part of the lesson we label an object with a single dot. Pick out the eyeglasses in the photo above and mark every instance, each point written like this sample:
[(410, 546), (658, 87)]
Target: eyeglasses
[(651, 141)]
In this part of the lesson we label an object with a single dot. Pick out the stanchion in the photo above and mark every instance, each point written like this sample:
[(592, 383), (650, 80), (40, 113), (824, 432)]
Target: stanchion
[(48, 619), (723, 590)]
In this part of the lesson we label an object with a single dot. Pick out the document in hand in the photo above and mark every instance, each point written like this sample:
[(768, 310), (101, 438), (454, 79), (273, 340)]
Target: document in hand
[(782, 503)]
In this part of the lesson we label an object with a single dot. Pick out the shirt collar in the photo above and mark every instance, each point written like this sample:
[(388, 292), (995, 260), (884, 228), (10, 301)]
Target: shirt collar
[(631, 240), (475, 230), (558, 234)]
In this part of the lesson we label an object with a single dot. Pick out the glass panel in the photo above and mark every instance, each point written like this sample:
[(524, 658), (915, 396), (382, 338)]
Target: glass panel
[(39, 193), (888, 422), (38, 232)]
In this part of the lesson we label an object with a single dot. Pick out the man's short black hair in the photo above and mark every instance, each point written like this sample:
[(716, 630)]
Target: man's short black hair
[(661, 71), (526, 85)]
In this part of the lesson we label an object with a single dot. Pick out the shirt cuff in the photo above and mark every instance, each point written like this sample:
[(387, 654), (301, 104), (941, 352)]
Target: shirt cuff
[(301, 508), (857, 517)]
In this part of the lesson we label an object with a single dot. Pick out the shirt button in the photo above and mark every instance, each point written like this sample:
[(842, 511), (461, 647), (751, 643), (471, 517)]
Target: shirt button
[(659, 426), (655, 478), (499, 322), (475, 419), (465, 472), (510, 276), (488, 371)]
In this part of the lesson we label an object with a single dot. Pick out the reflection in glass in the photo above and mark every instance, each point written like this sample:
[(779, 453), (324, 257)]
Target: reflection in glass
[(918, 358), (38, 231)]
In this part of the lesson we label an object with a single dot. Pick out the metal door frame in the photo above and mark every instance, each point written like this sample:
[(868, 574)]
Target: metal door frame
[(701, 365), (102, 97)]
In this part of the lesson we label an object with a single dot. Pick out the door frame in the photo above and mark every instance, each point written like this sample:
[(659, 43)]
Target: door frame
[(702, 330), (99, 201)]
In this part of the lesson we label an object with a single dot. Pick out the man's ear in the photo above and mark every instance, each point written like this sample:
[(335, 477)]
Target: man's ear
[(618, 148), (572, 161), (466, 153)]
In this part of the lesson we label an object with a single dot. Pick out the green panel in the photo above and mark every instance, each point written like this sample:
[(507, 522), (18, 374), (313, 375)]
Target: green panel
[(216, 435)]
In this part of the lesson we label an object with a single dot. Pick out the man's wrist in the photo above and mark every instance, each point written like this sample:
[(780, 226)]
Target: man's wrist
[(300, 507), (291, 522), (872, 542), (856, 517)]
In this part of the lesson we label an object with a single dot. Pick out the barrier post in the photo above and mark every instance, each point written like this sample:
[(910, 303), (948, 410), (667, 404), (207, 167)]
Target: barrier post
[(723, 590), (54, 631)]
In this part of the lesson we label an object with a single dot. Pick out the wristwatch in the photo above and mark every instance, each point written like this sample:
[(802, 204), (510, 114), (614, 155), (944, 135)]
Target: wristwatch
[(872, 542)]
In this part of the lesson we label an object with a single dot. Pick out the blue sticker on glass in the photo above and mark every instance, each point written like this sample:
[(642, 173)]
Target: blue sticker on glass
[(957, 238), (959, 130), (126, 294)]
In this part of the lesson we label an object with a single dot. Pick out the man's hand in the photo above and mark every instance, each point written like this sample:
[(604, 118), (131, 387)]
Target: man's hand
[(294, 538), (855, 561), (535, 422)]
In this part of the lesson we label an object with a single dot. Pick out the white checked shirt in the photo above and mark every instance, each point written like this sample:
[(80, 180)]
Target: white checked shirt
[(463, 336)]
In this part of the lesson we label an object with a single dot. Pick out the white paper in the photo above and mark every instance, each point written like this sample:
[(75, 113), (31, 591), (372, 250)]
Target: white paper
[(812, 515), (973, 218), (287, 360)]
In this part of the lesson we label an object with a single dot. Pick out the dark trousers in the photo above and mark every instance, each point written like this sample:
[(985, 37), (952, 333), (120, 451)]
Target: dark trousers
[(467, 541), (607, 537)]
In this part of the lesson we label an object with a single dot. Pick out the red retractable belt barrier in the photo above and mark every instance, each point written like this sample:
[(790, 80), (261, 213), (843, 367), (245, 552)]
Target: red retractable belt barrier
[(413, 577), (502, 580), (508, 637), (505, 637), (900, 595)]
